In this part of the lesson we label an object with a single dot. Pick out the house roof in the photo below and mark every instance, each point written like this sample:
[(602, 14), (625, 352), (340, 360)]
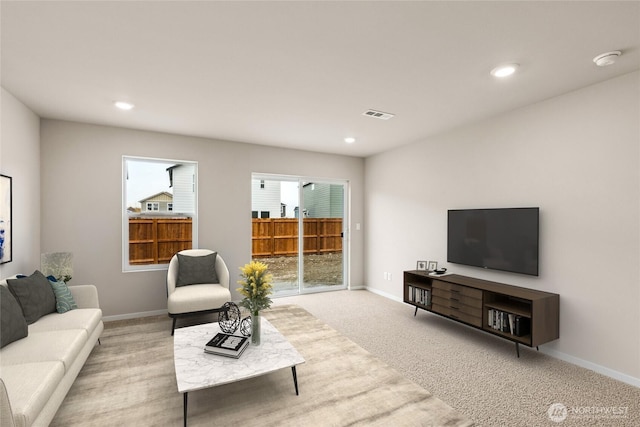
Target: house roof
[(163, 196)]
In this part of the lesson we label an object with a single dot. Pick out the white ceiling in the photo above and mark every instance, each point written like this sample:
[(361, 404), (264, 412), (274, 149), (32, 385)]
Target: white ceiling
[(300, 74)]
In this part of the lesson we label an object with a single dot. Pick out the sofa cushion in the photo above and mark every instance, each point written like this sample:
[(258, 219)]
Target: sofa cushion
[(29, 386), (64, 299), (13, 326), (195, 270), (81, 318), (63, 346), (34, 294)]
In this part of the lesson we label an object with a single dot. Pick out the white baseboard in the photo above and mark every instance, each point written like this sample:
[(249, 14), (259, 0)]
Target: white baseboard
[(134, 315), (384, 294), (593, 366)]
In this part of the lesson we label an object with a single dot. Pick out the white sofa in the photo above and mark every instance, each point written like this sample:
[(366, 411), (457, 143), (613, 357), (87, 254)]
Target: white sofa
[(37, 371)]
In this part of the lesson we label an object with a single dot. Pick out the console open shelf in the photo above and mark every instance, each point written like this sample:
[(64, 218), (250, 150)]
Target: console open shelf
[(524, 316)]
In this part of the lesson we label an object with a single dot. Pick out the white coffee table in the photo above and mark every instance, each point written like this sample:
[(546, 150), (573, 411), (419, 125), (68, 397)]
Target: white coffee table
[(196, 370)]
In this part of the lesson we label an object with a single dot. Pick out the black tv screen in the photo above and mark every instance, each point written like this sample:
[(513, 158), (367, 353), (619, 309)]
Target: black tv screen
[(499, 239)]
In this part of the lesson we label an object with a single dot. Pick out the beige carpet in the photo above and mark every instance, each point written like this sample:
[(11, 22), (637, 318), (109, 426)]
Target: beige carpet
[(476, 373), (129, 380)]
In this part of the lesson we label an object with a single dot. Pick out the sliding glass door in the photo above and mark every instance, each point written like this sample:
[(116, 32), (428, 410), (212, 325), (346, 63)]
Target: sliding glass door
[(323, 260), (298, 229)]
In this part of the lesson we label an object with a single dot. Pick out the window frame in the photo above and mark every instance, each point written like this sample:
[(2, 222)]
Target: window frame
[(126, 267)]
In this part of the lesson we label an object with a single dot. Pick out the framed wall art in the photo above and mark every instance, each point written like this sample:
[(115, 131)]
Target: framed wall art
[(5, 219)]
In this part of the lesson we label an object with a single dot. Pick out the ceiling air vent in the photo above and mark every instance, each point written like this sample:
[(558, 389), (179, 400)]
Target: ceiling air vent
[(378, 114)]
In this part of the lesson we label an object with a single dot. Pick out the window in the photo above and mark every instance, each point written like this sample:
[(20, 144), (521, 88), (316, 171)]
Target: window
[(159, 208), (153, 206)]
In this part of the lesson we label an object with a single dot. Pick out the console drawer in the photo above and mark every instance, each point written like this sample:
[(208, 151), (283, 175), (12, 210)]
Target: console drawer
[(459, 297), (457, 306), (457, 314), (457, 289)]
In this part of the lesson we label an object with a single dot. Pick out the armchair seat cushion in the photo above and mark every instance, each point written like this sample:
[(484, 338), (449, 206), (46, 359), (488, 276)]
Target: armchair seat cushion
[(189, 299)]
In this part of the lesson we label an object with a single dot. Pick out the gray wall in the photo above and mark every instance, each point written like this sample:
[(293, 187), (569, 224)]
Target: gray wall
[(577, 157), (20, 159), (81, 166)]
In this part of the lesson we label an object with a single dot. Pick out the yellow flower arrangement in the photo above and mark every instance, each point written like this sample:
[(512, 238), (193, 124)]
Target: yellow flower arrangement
[(255, 286)]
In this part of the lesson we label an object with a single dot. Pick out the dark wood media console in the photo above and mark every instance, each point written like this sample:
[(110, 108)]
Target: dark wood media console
[(524, 316)]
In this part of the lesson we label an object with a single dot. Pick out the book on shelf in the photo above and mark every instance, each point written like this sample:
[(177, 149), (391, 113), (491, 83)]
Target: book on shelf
[(419, 295), (227, 345), (522, 326), (508, 322)]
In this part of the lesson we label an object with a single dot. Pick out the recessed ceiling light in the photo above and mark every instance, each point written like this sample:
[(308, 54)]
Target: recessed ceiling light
[(124, 105), (349, 140), (504, 70)]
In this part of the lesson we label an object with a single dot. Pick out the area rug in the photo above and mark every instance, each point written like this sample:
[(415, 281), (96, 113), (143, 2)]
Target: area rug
[(129, 380)]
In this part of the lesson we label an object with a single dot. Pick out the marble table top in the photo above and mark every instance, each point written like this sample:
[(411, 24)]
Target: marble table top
[(196, 369)]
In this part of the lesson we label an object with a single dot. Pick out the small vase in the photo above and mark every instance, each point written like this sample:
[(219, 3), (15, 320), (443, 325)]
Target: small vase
[(255, 328)]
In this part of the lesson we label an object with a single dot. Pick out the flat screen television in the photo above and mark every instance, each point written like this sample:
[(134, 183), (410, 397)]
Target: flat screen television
[(499, 239)]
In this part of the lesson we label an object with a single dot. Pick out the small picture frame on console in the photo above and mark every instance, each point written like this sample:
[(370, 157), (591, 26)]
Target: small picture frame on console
[(432, 266), (421, 265)]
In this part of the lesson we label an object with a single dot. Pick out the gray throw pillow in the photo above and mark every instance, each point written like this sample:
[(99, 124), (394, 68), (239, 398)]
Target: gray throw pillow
[(35, 296), (12, 324), (194, 270)]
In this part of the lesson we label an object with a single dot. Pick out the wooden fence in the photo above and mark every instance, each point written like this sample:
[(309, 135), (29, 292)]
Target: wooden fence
[(279, 236), (156, 240)]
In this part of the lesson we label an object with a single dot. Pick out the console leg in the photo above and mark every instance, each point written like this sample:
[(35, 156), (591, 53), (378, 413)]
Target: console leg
[(295, 379), (184, 401), (518, 349)]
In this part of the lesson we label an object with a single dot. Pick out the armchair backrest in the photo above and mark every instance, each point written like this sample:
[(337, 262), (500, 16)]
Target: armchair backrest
[(172, 273)]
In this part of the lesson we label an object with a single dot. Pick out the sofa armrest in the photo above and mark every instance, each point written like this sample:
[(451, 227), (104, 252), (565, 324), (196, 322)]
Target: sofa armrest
[(6, 415), (86, 296)]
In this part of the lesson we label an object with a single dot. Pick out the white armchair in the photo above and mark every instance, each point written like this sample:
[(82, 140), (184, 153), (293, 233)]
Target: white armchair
[(197, 282)]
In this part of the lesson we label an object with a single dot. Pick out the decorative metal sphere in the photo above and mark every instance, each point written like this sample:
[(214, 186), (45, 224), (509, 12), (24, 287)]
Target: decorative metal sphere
[(245, 326), (229, 317)]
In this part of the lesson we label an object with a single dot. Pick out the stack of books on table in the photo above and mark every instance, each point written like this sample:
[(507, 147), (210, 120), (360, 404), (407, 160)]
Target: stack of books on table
[(227, 345)]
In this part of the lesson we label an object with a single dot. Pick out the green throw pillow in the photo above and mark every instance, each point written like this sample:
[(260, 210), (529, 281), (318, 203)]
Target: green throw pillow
[(64, 299), (194, 270), (12, 324), (35, 296)]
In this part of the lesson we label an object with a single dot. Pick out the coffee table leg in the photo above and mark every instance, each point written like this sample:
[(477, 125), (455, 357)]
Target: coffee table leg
[(295, 378), (184, 400)]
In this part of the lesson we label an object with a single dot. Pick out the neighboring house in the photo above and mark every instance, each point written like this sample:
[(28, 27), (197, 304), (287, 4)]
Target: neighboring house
[(158, 203), (182, 178), (323, 200), (265, 199)]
